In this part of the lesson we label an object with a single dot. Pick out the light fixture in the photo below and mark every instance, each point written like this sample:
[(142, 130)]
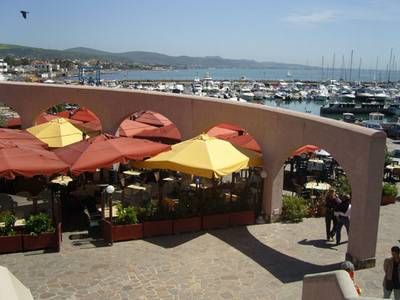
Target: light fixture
[(263, 174), (110, 189)]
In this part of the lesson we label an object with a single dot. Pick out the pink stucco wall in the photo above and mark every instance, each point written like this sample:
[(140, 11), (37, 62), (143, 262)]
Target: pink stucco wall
[(360, 151)]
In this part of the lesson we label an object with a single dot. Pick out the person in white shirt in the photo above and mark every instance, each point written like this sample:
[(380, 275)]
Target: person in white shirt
[(343, 213)]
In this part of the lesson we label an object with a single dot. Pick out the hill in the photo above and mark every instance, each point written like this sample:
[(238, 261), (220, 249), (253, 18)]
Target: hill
[(139, 57)]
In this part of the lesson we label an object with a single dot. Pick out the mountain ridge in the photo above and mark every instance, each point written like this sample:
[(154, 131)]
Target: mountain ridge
[(141, 57)]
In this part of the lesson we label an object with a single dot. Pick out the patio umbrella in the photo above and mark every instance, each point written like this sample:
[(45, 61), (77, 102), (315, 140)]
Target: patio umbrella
[(57, 133), (245, 141), (45, 117), (84, 115), (21, 138), (130, 128), (165, 134), (105, 150), (152, 118), (11, 288), (305, 149), (322, 152), (235, 135), (28, 161), (89, 127), (203, 156)]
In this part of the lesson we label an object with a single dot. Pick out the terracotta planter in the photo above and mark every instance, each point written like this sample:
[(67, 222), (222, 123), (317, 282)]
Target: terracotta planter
[(10, 244), (42, 241), (127, 232), (242, 218), (187, 225), (388, 200), (215, 221), (155, 228)]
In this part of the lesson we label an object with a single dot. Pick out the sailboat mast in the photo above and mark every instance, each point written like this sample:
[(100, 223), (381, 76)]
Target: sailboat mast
[(359, 70), (389, 64), (333, 66), (322, 69), (351, 64), (376, 68)]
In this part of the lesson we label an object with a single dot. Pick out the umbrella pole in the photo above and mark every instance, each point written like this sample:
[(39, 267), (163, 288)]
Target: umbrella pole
[(103, 216)]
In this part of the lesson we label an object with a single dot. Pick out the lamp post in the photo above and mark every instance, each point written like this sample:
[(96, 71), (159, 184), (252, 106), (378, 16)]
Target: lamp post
[(110, 190), (260, 218)]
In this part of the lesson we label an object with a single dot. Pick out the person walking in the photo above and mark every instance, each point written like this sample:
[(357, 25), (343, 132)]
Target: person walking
[(331, 202), (343, 217), (391, 281)]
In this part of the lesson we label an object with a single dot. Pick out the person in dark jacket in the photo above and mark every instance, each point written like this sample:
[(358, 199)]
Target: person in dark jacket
[(331, 202), (342, 213), (391, 282)]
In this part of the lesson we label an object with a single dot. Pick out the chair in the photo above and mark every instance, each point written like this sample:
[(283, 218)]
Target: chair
[(7, 203)]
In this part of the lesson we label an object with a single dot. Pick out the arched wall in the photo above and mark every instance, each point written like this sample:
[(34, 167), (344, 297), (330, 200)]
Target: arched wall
[(278, 131)]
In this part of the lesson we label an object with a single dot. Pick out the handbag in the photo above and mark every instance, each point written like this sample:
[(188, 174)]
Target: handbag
[(388, 285)]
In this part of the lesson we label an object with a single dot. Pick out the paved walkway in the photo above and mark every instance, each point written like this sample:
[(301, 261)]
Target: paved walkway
[(257, 262)]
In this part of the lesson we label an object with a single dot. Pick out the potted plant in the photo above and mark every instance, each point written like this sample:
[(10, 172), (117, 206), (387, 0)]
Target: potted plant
[(294, 209), (9, 240), (156, 220), (187, 217), (389, 193), (215, 211), (126, 225), (40, 233)]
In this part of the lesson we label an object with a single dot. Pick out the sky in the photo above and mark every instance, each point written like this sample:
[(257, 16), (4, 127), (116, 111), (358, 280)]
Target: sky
[(281, 31)]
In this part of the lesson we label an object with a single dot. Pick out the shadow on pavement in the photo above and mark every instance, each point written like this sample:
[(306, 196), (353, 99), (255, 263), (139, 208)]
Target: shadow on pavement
[(283, 267), (323, 244), (172, 241)]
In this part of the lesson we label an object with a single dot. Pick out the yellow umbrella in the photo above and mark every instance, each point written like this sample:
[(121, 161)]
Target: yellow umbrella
[(57, 133), (203, 156)]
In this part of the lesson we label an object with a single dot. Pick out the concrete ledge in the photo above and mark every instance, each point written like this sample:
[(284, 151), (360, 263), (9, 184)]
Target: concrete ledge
[(361, 264), (335, 285)]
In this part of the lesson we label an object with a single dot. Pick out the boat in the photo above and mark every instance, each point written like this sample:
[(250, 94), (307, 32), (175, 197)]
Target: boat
[(349, 118)]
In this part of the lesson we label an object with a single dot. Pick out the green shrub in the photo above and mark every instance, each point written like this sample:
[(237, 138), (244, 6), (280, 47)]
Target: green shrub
[(343, 186), (389, 190), (294, 209), (126, 215), (9, 220), (37, 224)]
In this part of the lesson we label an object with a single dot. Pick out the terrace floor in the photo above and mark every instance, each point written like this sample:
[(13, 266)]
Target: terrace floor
[(258, 262)]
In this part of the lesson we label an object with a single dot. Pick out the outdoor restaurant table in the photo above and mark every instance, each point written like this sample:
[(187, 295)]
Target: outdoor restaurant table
[(320, 186), (390, 169), (168, 179), (136, 187)]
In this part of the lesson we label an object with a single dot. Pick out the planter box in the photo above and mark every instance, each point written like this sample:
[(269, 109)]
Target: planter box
[(10, 244), (155, 228), (41, 241), (215, 221), (106, 231), (187, 225), (242, 218), (127, 232), (388, 200)]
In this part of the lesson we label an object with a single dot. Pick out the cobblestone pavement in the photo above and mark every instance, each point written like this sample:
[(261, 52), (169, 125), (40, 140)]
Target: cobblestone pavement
[(258, 262)]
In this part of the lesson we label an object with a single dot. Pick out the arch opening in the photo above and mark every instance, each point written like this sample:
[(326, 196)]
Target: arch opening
[(318, 184), (9, 117)]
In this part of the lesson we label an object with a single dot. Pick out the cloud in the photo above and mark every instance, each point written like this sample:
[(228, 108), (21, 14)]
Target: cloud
[(315, 17)]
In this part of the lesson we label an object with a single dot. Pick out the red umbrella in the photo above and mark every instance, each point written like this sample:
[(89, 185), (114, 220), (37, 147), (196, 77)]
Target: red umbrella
[(131, 128), (45, 117), (105, 150), (20, 138), (245, 141), (152, 118), (84, 115), (222, 133), (305, 149), (89, 127), (28, 161), (167, 134)]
